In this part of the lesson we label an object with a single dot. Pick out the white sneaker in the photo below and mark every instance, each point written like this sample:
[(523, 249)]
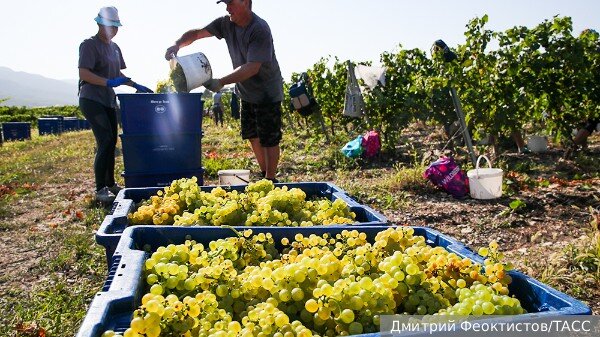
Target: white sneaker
[(105, 196), (115, 189)]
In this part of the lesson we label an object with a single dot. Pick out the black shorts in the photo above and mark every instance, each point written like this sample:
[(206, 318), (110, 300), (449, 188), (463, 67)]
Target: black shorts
[(262, 121), (591, 125)]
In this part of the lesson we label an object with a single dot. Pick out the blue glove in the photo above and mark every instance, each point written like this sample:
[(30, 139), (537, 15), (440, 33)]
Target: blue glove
[(117, 81), (142, 89)]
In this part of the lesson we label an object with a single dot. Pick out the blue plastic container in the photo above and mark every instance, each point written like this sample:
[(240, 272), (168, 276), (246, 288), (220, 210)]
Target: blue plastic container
[(50, 125), (16, 130), (158, 153), (112, 227), (160, 179), (83, 124), (161, 113), (70, 124), (112, 308)]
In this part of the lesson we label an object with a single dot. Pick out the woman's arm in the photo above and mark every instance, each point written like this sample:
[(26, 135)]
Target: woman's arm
[(88, 76)]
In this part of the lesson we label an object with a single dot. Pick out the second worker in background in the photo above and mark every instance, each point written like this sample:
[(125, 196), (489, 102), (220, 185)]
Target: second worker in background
[(256, 74), (217, 108)]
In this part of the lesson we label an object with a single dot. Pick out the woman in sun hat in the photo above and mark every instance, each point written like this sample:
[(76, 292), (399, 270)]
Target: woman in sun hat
[(100, 64)]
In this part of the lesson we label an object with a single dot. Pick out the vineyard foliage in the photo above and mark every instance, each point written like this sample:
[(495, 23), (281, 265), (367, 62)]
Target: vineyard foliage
[(543, 79), (25, 114)]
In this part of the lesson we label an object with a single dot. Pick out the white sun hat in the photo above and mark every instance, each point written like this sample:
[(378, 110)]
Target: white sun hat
[(108, 16)]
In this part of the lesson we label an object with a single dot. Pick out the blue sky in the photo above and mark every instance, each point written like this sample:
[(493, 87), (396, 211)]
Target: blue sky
[(42, 37)]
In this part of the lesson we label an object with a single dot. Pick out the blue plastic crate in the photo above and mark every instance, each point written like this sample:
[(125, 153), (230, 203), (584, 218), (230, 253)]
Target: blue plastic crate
[(160, 179), (112, 227), (84, 124), (70, 124), (158, 153), (113, 307), (161, 113), (50, 125), (16, 130)]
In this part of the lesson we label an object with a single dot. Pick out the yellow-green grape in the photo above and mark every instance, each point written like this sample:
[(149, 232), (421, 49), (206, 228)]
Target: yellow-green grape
[(483, 251), (311, 306), (347, 316)]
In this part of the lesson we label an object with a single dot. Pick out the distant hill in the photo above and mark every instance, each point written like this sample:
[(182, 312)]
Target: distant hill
[(31, 90)]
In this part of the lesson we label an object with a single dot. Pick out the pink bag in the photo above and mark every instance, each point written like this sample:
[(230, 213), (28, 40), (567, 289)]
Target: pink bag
[(371, 143), (446, 174)]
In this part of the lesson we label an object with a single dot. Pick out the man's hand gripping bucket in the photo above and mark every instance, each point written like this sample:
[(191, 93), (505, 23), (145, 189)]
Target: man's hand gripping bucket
[(196, 68)]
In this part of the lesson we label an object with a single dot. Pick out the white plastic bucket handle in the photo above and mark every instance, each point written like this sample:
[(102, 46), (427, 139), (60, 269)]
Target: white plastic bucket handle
[(477, 165), (240, 178)]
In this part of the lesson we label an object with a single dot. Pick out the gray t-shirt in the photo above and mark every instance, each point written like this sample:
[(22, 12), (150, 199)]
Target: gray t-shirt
[(253, 43), (102, 59)]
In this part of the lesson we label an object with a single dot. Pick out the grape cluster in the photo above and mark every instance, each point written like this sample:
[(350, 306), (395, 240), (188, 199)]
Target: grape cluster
[(261, 204), (176, 82), (480, 299), (178, 79), (316, 285)]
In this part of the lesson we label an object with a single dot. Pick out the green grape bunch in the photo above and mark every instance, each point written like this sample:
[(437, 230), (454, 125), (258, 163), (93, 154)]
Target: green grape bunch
[(183, 203), (177, 77), (316, 285)]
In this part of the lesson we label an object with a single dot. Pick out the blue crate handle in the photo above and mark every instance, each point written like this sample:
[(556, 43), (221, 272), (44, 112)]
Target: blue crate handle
[(121, 208)]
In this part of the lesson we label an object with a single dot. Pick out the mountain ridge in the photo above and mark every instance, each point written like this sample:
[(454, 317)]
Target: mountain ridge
[(32, 90)]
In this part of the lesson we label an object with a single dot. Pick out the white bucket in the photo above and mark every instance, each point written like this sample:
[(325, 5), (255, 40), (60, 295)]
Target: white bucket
[(485, 183), (234, 177), (196, 68), (537, 144)]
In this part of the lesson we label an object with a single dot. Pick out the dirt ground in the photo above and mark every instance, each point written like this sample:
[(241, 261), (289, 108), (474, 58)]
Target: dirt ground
[(33, 222), (556, 216), (560, 198)]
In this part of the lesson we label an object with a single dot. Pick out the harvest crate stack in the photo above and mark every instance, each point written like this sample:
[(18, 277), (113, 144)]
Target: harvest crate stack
[(84, 124), (161, 138), (16, 130), (50, 125), (70, 124)]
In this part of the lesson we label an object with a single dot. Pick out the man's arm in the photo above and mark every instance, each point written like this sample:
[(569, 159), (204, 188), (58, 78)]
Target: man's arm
[(186, 39), (240, 74)]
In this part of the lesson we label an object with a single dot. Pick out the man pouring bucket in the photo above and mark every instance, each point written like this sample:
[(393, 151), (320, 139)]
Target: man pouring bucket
[(256, 75)]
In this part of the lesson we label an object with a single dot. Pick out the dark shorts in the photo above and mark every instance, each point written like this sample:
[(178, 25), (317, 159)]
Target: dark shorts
[(591, 125), (262, 121)]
